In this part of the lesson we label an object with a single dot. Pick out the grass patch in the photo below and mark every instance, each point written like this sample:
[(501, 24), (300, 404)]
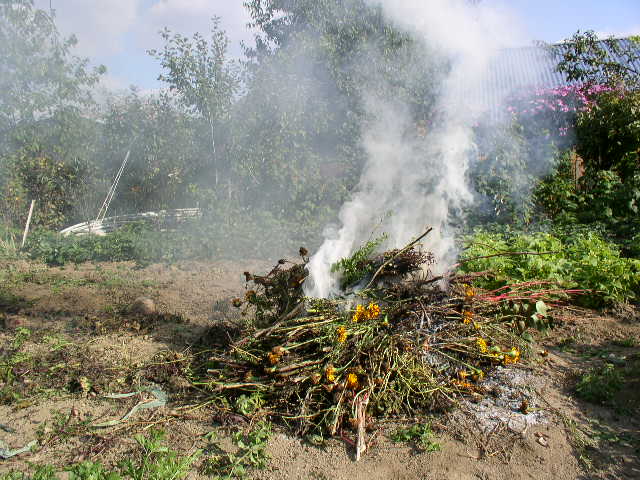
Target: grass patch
[(600, 384), (420, 435), (154, 462)]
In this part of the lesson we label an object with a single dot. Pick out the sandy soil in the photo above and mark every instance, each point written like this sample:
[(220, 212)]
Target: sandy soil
[(560, 437)]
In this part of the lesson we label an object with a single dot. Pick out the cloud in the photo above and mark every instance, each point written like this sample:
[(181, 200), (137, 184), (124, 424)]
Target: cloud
[(99, 26), (619, 33)]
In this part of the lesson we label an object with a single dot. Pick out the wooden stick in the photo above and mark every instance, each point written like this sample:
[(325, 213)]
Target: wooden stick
[(26, 227), (396, 255), (361, 418), (268, 330)]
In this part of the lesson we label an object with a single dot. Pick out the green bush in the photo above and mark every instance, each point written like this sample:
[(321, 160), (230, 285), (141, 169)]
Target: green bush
[(608, 134), (226, 233), (600, 384), (582, 260), (600, 199)]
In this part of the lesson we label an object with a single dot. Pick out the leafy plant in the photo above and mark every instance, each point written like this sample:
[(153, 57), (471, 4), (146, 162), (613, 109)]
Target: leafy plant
[(158, 462), (249, 404), (587, 59), (582, 260), (600, 384), (420, 434), (357, 266), (251, 454)]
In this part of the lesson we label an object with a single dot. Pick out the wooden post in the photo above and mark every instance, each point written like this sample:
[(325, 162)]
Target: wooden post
[(26, 227)]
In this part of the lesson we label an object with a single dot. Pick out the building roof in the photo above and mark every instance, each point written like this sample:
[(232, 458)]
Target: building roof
[(517, 70)]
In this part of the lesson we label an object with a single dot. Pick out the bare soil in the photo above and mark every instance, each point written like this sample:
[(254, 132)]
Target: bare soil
[(88, 344)]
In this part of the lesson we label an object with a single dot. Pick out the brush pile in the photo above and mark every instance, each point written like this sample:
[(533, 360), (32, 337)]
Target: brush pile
[(404, 343)]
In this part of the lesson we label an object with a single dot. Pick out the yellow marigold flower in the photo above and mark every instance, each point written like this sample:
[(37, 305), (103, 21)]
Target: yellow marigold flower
[(469, 292), (463, 384), (273, 358), (352, 381), (482, 345), (361, 313), (373, 310), (467, 316), (330, 373), (512, 356), (342, 334), (279, 350)]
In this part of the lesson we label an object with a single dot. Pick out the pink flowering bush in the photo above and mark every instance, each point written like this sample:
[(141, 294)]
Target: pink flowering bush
[(555, 110)]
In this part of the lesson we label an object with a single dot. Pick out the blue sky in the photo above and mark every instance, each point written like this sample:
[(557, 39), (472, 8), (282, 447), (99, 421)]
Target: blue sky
[(117, 33)]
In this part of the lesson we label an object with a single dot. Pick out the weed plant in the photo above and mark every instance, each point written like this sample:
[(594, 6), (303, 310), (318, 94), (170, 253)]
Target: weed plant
[(581, 261), (600, 384)]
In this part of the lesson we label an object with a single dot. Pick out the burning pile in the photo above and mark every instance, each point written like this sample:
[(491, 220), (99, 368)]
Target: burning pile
[(404, 343)]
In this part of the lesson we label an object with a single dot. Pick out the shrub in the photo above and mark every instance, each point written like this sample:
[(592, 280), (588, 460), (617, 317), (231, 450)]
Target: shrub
[(581, 260)]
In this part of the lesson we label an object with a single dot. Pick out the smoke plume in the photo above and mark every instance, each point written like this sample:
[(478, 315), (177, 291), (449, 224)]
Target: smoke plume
[(417, 179)]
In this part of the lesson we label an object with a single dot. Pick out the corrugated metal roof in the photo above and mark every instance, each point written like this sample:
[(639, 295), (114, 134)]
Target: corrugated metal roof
[(517, 70)]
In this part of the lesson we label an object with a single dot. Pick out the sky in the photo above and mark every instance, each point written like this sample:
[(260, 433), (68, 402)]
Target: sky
[(118, 33)]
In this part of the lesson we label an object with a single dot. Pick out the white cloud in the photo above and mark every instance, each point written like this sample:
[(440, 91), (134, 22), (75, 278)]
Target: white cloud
[(619, 33), (99, 25)]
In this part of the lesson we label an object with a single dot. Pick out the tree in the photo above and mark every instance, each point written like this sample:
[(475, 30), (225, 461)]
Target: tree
[(166, 149), (313, 69), (586, 59), (46, 138), (39, 76), (199, 71)]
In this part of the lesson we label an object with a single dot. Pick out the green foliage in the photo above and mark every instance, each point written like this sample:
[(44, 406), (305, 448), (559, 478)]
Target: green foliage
[(586, 59), (56, 184), (600, 384), (38, 74), (420, 434), (599, 199), (249, 404), (502, 174), (133, 242), (251, 454), (205, 80), (156, 462), (608, 134), (582, 260), (357, 266), (168, 153)]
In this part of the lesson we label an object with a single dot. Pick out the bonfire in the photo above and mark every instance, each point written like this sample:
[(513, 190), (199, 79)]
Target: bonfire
[(400, 341)]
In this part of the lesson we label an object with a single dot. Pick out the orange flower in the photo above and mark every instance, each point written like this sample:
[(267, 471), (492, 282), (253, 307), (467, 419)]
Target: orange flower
[(273, 358), (482, 345), (330, 373), (511, 356), (467, 316), (373, 311), (361, 313), (352, 381), (342, 334), (469, 292)]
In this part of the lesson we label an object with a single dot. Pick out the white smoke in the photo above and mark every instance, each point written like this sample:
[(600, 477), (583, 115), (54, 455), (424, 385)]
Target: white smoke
[(411, 182)]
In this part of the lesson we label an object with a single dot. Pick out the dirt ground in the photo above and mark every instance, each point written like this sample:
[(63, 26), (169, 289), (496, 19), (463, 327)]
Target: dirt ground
[(76, 322)]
